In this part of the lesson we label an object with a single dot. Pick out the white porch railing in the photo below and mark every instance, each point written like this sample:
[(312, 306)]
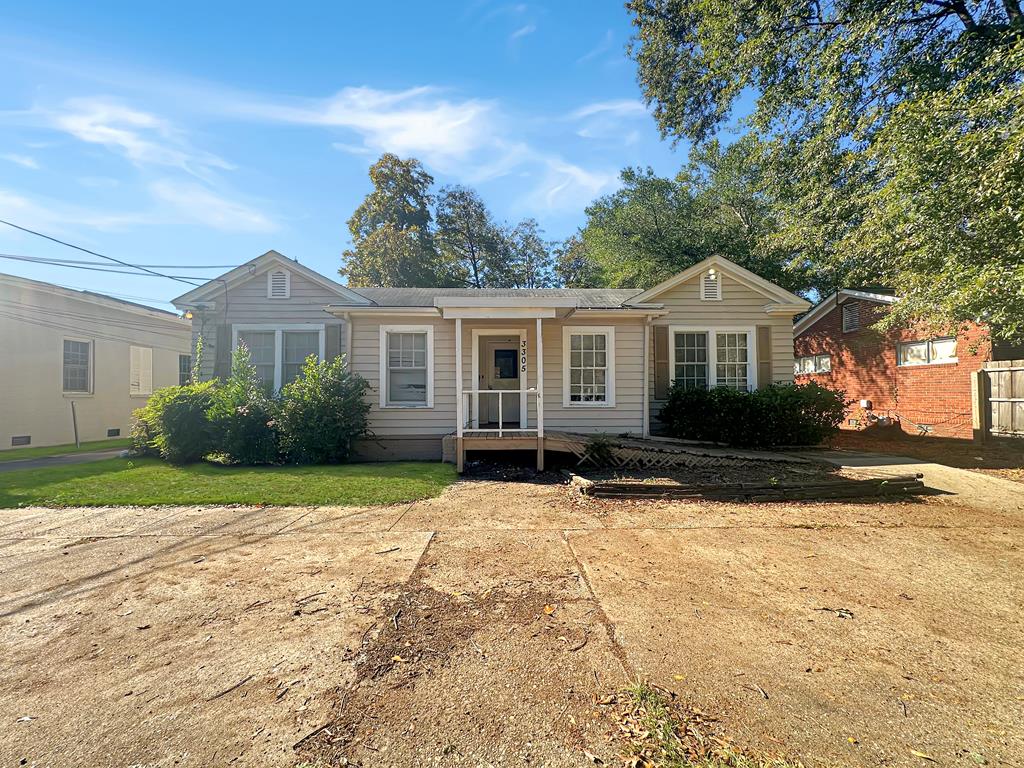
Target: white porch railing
[(471, 420)]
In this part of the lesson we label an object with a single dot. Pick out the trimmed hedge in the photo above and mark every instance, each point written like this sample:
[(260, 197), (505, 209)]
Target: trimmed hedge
[(778, 415)]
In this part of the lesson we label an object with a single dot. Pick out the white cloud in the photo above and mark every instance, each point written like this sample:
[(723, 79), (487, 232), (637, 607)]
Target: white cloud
[(616, 108), (602, 47), (25, 161), (566, 186), (416, 121), (53, 216), (199, 204), (523, 31), (142, 137)]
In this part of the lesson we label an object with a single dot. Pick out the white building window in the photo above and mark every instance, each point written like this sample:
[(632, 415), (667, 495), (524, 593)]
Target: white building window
[(184, 369), (928, 352), (77, 366), (279, 284), (813, 364), (721, 357), (588, 366), (279, 351), (851, 317), (140, 376), (406, 366)]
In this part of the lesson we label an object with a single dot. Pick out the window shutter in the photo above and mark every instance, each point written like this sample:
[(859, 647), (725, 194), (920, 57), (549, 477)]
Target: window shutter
[(851, 316), (134, 367), (764, 356), (140, 376), (661, 372), (222, 352), (278, 284), (710, 286)]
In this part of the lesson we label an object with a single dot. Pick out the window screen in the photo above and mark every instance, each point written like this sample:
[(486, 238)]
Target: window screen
[(732, 360), (262, 352), (298, 345), (76, 365)]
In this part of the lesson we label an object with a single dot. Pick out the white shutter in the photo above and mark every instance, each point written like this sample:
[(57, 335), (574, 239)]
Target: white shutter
[(279, 284), (711, 286), (140, 377)]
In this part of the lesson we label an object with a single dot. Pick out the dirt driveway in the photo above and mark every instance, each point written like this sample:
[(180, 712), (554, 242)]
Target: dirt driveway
[(480, 628)]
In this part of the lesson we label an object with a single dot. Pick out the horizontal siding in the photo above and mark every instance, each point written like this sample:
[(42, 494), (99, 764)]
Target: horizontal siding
[(740, 307)]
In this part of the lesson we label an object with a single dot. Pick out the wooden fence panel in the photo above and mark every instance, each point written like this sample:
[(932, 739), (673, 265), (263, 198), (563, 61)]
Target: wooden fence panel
[(1005, 388)]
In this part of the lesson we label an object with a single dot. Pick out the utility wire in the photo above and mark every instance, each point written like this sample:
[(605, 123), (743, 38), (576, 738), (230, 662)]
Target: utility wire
[(112, 270), (98, 255), (48, 260)]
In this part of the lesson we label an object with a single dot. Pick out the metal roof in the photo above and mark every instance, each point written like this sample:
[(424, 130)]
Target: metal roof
[(587, 298)]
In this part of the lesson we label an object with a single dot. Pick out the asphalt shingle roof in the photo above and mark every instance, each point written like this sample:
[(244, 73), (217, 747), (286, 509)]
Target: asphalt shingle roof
[(588, 298)]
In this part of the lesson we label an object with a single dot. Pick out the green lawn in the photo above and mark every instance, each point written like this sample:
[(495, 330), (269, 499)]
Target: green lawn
[(151, 482), (16, 454)]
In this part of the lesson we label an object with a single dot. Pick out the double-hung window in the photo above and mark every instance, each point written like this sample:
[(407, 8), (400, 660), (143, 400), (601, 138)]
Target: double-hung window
[(712, 358), (813, 364), (77, 366), (184, 369), (407, 366), (588, 361), (279, 352)]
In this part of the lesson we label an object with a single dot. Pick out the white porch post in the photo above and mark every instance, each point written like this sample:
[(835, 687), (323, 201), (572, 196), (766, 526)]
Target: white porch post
[(540, 394), (459, 410), (647, 376)]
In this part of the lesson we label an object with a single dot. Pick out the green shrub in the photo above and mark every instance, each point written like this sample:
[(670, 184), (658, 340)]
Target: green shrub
[(174, 425), (781, 414), (322, 412), (242, 415)]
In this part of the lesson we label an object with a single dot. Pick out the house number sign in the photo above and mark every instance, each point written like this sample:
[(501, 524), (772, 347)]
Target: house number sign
[(522, 355)]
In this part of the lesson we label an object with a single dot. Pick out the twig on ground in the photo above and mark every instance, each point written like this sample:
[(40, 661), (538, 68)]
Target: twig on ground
[(239, 684), (385, 551)]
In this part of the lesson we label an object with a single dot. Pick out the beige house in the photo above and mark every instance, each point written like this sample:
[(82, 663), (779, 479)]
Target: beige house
[(75, 358), (496, 368)]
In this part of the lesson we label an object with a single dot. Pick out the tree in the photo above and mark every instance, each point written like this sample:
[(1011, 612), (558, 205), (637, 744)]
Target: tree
[(849, 96), (526, 260), (574, 266), (653, 227), (467, 237), (392, 234)]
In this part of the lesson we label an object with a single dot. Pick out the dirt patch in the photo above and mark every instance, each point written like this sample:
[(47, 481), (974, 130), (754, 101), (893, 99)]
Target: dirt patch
[(507, 675), (724, 472)]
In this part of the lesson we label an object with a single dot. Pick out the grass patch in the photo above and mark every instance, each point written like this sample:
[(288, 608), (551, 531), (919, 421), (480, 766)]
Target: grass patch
[(662, 733), (18, 454), (151, 482)]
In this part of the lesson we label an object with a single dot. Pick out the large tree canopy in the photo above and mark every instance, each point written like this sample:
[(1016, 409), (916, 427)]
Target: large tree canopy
[(892, 127), (654, 227)]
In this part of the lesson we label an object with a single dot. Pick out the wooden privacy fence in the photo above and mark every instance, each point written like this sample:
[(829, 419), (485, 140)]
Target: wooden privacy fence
[(1004, 391)]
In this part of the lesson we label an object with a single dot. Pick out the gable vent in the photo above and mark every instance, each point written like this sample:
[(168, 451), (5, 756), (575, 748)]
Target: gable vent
[(279, 284), (711, 286), (851, 317)]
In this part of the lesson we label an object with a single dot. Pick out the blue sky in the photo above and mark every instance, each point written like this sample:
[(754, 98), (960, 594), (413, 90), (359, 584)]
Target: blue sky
[(208, 133)]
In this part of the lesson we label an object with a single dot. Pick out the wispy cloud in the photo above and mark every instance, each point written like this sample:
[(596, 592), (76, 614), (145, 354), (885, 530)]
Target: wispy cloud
[(523, 31), (603, 47), (199, 204), (616, 108), (565, 186), (54, 216), (142, 137), (25, 161)]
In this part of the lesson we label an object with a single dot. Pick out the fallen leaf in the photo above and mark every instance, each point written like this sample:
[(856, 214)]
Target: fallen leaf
[(549, 609), (923, 756), (678, 677), (397, 658)]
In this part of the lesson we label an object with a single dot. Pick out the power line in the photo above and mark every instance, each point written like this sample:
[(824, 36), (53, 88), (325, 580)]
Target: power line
[(98, 255), (48, 260), (112, 270)]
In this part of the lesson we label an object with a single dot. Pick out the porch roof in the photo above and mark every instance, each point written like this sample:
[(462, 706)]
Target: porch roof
[(582, 298)]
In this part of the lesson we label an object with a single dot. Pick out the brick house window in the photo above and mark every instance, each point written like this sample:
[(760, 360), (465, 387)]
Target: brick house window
[(928, 352)]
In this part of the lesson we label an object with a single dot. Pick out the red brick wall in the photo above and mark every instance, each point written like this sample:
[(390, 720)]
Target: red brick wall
[(864, 366)]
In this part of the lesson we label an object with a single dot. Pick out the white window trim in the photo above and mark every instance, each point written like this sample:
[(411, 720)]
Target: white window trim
[(928, 347), (609, 331), (92, 367), (713, 351), (814, 364), (383, 354), (287, 283), (279, 329)]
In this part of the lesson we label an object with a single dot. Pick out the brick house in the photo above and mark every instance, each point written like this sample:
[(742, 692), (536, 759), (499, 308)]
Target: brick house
[(918, 380)]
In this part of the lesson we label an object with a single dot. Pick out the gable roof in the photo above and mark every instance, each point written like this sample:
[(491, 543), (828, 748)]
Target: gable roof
[(585, 298), (92, 297), (756, 283), (834, 300), (257, 266)]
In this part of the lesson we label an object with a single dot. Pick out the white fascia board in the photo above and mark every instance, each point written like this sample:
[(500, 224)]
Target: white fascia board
[(506, 301), (497, 313), (786, 310), (339, 310), (624, 312)]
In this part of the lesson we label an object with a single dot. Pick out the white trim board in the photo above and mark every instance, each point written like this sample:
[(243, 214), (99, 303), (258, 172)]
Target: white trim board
[(609, 331), (733, 270)]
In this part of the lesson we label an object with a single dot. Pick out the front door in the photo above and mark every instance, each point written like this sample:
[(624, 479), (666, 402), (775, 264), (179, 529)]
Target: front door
[(500, 371)]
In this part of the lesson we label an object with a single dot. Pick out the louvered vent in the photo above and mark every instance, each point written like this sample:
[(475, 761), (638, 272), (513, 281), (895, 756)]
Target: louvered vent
[(278, 284), (851, 317), (711, 286)]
